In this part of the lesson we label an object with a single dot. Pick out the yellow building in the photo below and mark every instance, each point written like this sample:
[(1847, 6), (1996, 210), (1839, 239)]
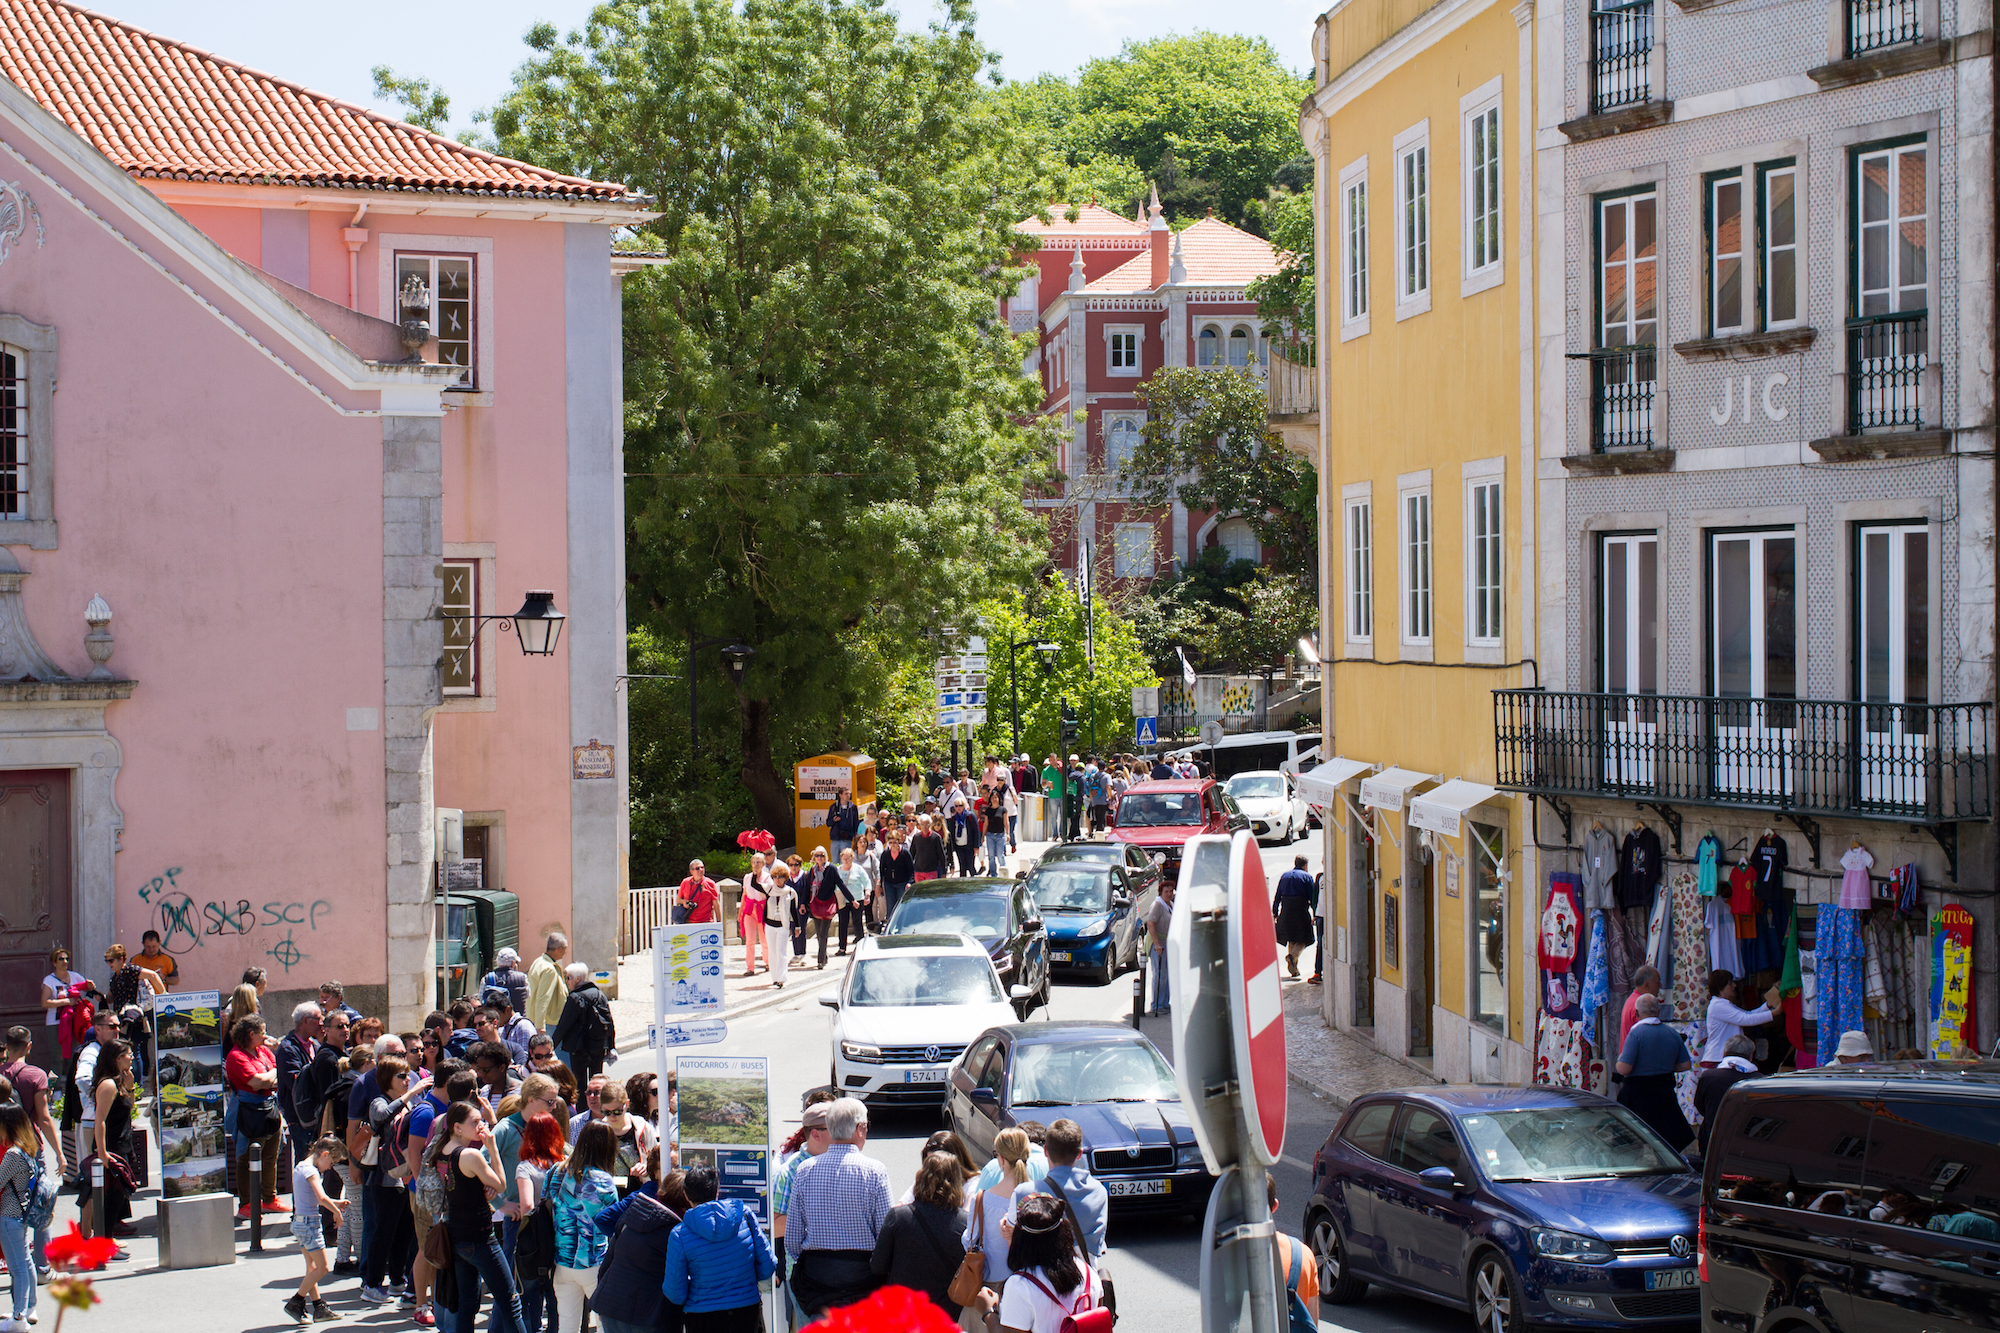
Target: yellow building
[(1420, 128)]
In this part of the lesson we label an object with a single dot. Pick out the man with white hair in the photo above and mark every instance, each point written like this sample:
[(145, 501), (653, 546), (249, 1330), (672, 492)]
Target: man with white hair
[(836, 1209), (585, 1033), (295, 1054), (546, 992), (508, 976)]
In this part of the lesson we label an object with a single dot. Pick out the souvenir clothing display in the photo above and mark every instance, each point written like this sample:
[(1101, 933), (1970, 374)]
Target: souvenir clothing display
[(1639, 866), (1837, 965), (1600, 868), (1559, 1047), (1768, 859), (1561, 925), (1706, 853), (1690, 970), (1596, 970), (1855, 890), (1721, 925)]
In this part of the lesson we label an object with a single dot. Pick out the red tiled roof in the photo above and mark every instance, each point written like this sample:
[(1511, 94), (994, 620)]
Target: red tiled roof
[(1215, 253), (1091, 220), (164, 110)]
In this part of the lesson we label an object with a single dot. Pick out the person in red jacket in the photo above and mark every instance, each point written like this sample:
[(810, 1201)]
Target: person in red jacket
[(699, 896)]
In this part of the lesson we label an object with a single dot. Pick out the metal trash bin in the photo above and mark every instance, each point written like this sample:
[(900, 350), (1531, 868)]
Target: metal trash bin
[(198, 1231)]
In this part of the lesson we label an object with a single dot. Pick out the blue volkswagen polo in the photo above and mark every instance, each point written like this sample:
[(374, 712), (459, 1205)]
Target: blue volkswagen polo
[(1522, 1206)]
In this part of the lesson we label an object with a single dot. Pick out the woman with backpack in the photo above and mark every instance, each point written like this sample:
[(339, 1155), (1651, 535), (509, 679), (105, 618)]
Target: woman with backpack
[(470, 1162), (543, 1144), (1052, 1285), (630, 1297), (581, 1190), (20, 1172)]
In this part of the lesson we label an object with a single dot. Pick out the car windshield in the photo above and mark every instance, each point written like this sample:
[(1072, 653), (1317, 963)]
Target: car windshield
[(899, 982), (1150, 809), (1256, 786), (1052, 1074), (1104, 852), (1071, 888), (1566, 1143), (976, 914)]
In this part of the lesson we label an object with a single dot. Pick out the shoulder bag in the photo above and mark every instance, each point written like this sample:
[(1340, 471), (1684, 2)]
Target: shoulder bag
[(970, 1279)]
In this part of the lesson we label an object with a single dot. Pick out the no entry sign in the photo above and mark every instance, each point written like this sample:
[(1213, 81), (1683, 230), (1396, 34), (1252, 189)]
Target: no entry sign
[(1256, 1010)]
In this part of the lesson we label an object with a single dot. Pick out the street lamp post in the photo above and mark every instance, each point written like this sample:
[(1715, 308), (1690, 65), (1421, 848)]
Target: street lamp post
[(736, 656), (1048, 652), (537, 624)]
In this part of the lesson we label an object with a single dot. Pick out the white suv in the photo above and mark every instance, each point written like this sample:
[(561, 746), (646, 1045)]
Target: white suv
[(908, 1006)]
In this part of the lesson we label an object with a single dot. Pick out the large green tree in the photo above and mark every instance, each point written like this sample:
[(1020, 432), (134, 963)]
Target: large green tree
[(1099, 689), (821, 437)]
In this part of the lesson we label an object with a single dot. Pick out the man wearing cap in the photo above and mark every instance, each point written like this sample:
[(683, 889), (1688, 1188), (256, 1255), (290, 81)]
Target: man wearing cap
[(508, 976), (1854, 1049)]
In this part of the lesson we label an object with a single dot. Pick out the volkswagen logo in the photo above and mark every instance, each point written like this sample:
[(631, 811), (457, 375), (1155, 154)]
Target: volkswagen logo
[(931, 1054), (1680, 1247)]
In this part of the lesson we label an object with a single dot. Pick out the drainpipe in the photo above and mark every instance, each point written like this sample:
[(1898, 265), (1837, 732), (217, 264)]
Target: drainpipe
[(356, 236)]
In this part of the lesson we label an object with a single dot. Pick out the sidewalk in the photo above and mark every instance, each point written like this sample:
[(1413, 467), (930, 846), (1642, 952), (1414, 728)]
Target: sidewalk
[(1326, 1061)]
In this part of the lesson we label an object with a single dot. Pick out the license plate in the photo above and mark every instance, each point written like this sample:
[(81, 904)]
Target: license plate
[(1062, 957), (1671, 1279), (1117, 1187), (923, 1075)]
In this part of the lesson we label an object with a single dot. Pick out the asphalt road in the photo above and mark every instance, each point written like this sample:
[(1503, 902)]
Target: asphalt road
[(1155, 1261)]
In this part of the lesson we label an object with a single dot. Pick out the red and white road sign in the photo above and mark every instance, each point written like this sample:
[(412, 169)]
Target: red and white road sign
[(1256, 1010)]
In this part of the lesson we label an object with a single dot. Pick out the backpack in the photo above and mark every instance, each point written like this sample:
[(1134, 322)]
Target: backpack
[(535, 1240), (1301, 1319), (1083, 1317), (395, 1160), (37, 1197), (433, 1195)]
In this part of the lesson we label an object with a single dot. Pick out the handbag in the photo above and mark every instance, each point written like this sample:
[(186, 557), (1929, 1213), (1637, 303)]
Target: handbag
[(254, 1119), (970, 1279)]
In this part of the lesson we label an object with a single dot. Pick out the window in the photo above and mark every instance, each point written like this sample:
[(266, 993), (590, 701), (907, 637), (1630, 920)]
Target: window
[(1482, 188), (1621, 58), (459, 667), (1483, 561), (1206, 353), (1725, 254), (1892, 251), (1779, 239), (1360, 570), (27, 441), (14, 452), (1628, 292), (1416, 567), (1489, 925), (1123, 358), (1753, 657), (1801, 1153), (1122, 433), (1413, 218), (1424, 1140), (448, 279), (1895, 613), (1239, 540), (1629, 614), (1132, 551), (1240, 339), (1368, 1129), (1354, 243)]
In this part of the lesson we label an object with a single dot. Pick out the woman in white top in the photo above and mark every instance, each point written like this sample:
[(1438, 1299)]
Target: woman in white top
[(1051, 1281), (55, 986), (780, 904), (986, 1225), (858, 884), (750, 917), (1726, 1018)]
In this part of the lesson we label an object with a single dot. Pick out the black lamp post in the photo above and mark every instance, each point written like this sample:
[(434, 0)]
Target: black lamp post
[(736, 656), (537, 624), (1048, 652)]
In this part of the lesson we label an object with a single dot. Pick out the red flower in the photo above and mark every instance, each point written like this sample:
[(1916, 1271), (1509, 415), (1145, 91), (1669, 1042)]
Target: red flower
[(889, 1310), (78, 1251)]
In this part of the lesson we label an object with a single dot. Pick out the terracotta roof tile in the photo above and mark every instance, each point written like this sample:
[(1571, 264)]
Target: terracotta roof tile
[(163, 110), (1091, 220), (1216, 255)]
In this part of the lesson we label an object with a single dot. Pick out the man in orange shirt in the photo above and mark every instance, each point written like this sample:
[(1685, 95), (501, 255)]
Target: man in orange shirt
[(1646, 981)]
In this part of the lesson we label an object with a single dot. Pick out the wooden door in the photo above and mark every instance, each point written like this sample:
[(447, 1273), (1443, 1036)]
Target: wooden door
[(36, 905)]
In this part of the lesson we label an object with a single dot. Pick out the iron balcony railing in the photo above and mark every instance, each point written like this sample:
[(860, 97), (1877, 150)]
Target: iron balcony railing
[(1886, 358), (1621, 61), (1919, 763), (1874, 24), (1622, 384)]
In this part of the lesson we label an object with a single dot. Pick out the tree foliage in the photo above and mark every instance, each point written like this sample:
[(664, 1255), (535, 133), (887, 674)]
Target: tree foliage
[(425, 105), (822, 445), (1208, 443), (1053, 613), (1285, 298), (1213, 118)]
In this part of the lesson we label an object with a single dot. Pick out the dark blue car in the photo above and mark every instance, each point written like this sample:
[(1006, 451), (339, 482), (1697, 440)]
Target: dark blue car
[(1522, 1205), (1094, 916)]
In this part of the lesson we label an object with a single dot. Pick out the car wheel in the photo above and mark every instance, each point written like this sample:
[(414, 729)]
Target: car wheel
[(1336, 1285), (1109, 972), (1496, 1296)]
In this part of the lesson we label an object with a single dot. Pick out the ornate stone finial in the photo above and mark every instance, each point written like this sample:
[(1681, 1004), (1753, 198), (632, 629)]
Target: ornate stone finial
[(16, 211), (413, 304), (1076, 269), (21, 658), (1177, 270), (98, 643)]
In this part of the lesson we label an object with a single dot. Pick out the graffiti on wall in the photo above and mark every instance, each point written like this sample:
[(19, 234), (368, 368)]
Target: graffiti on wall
[(186, 924)]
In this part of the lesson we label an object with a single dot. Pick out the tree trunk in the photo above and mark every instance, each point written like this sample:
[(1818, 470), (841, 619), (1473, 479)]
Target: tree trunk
[(760, 777)]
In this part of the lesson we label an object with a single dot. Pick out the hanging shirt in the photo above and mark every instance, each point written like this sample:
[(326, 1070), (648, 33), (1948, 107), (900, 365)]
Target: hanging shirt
[(1600, 869), (1707, 852), (1743, 902), (1560, 923), (1639, 866), (1855, 890), (1768, 861)]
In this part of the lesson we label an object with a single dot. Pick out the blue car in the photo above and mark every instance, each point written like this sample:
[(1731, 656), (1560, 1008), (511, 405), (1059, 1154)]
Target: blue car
[(1093, 916), (1523, 1206)]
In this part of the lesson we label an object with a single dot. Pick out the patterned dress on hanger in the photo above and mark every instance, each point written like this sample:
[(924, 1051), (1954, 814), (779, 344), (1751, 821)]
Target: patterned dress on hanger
[(1690, 948), (1839, 958)]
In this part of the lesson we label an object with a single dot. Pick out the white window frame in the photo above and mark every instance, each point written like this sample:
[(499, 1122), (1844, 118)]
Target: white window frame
[(1114, 332), (1358, 566), (1110, 423), (1893, 154), (1131, 547), (1485, 499), (390, 246), (1218, 345), (485, 673), (1482, 124), (1354, 249), (1767, 250), (1720, 323), (34, 348), (1415, 181), (1416, 564)]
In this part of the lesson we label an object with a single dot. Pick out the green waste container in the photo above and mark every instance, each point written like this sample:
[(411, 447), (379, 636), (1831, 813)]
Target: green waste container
[(458, 951), (499, 918)]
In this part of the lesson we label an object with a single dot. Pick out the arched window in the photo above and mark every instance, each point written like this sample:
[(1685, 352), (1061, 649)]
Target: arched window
[(1121, 439), (1239, 539), (1239, 347), (1205, 349)]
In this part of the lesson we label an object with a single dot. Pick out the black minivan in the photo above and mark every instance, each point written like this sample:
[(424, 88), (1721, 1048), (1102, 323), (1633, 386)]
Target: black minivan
[(1854, 1199)]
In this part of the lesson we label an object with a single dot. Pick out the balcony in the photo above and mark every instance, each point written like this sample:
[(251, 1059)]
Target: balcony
[(1291, 391), (1884, 38), (1876, 25), (1891, 399), (1624, 392), (1625, 73), (1911, 763)]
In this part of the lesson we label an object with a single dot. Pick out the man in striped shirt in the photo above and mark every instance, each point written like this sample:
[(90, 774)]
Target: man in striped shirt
[(837, 1204)]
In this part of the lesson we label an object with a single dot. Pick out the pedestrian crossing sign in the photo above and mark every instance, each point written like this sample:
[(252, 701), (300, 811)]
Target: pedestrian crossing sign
[(1147, 730)]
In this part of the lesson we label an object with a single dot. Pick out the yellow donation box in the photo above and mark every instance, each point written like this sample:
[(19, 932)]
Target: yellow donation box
[(818, 778)]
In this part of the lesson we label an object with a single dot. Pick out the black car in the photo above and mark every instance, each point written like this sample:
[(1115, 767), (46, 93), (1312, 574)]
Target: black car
[(1141, 867), (1854, 1199), (1109, 1079), (1093, 919), (998, 913)]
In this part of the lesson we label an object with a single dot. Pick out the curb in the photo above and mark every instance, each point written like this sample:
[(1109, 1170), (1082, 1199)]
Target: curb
[(775, 998)]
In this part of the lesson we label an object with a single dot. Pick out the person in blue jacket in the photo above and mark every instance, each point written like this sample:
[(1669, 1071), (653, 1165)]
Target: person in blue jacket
[(715, 1259)]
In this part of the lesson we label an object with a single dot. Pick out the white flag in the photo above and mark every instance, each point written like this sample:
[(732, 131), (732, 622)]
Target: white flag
[(1187, 672)]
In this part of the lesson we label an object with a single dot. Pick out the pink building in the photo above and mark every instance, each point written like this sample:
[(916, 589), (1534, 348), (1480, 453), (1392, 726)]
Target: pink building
[(1116, 299), (211, 436)]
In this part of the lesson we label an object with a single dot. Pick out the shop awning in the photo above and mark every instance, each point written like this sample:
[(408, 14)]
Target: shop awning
[(1386, 789), (1441, 810), (1321, 786)]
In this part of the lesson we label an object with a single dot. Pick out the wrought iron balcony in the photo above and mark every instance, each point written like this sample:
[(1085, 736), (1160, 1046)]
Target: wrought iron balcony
[(1886, 359), (1621, 60), (1875, 24), (1912, 763), (1622, 384)]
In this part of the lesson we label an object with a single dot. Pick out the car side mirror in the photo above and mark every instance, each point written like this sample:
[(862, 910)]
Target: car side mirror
[(829, 1001), (1440, 1178), (1032, 924), (1020, 993), (1121, 900), (986, 1096)]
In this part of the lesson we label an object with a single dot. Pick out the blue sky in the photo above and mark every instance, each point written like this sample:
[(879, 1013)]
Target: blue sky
[(471, 46)]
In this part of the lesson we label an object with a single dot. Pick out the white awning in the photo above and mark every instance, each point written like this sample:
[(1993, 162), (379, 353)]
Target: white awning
[(1441, 810), (1321, 786), (1385, 790)]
